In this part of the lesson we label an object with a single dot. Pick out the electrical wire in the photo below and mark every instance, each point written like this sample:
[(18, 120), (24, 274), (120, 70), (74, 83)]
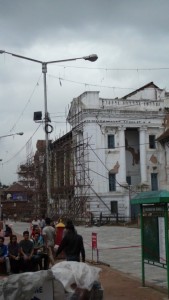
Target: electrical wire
[(115, 69), (98, 174), (29, 100), (108, 169), (90, 84), (62, 121), (16, 154), (111, 149), (109, 87), (68, 150)]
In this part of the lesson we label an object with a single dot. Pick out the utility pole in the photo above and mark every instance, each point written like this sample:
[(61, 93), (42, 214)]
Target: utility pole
[(92, 58)]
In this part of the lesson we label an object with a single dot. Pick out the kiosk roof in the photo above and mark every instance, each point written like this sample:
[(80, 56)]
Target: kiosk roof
[(161, 196)]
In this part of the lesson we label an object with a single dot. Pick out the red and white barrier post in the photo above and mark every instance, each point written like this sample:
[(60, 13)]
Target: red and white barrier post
[(94, 245)]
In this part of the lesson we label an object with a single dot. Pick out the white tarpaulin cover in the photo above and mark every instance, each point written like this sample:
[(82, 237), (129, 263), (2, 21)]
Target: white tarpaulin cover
[(23, 286), (61, 278), (79, 273)]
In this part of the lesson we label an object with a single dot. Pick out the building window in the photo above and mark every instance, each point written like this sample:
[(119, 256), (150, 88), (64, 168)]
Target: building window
[(128, 180), (154, 182), (111, 141), (114, 207), (152, 142), (112, 182)]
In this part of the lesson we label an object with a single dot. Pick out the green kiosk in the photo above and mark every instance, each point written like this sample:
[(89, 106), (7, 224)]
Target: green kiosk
[(154, 229)]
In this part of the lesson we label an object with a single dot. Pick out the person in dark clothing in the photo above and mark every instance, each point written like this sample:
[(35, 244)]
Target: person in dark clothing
[(4, 259), (72, 244), (26, 251), (8, 231), (14, 254)]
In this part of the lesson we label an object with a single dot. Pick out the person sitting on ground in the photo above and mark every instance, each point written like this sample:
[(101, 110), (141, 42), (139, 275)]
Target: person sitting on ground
[(72, 244), (49, 234), (14, 254), (4, 259), (39, 251), (26, 251)]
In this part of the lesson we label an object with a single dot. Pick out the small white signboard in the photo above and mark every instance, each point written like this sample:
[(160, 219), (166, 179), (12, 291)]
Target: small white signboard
[(44, 292)]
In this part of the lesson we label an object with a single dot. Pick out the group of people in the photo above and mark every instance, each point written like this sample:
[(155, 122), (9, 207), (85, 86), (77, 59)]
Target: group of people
[(23, 256), (38, 250)]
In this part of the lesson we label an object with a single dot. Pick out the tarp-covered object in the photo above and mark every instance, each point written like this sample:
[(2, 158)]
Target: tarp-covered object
[(70, 280), (79, 273), (23, 286)]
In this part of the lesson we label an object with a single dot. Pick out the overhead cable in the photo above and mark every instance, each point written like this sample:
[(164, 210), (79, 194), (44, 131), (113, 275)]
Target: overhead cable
[(91, 84), (16, 154), (36, 85), (115, 69)]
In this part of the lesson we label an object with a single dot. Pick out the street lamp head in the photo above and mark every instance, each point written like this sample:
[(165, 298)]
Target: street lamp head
[(2, 51), (92, 57), (20, 133)]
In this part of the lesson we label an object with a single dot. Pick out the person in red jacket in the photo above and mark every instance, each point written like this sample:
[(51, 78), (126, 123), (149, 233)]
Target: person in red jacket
[(72, 244)]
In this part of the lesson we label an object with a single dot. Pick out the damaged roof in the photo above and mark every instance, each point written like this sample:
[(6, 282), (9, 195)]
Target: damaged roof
[(148, 85)]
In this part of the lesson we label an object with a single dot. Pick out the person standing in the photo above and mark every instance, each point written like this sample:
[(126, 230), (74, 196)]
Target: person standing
[(49, 234), (72, 244), (42, 222), (36, 221), (15, 217)]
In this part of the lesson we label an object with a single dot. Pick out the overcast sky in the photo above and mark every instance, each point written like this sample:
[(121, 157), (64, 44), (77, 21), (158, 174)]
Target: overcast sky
[(128, 34)]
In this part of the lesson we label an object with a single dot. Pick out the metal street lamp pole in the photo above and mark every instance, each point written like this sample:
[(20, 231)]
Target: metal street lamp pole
[(92, 58)]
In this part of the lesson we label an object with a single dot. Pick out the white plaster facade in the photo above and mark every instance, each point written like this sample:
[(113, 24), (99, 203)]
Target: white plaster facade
[(136, 164)]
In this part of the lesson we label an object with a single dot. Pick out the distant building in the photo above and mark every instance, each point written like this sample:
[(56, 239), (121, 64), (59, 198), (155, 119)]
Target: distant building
[(26, 175), (32, 175), (17, 200)]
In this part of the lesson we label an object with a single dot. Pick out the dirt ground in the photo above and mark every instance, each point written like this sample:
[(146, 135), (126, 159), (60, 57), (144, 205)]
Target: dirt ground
[(118, 285)]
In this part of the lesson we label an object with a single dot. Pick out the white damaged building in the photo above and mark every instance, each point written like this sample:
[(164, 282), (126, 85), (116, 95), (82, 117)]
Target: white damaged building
[(118, 150)]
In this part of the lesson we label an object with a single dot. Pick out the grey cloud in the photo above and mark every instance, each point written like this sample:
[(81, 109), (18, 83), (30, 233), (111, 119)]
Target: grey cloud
[(124, 34), (25, 22)]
